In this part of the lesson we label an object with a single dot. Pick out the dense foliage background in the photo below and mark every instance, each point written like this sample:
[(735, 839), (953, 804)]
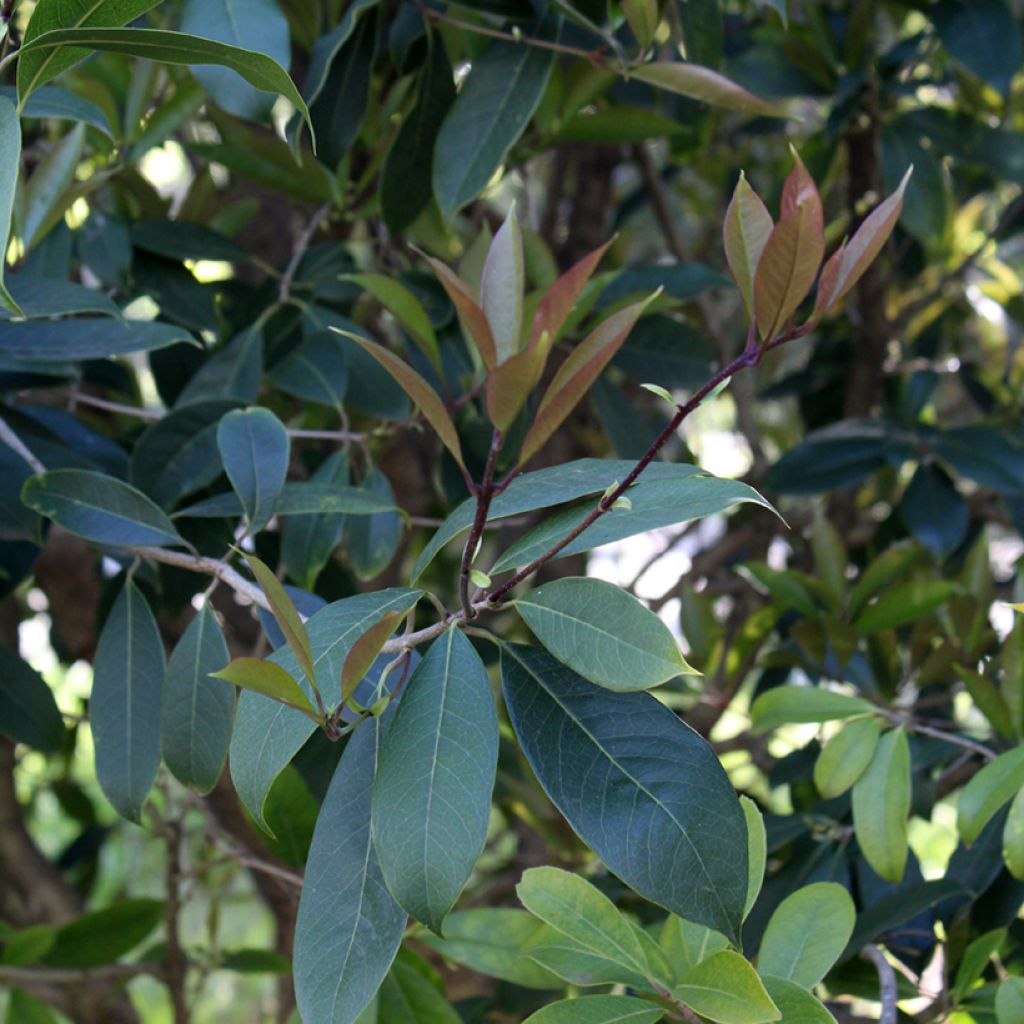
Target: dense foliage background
[(177, 256)]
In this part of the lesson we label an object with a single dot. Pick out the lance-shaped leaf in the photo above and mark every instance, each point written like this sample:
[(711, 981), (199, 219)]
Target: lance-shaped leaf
[(124, 710), (432, 794), (99, 508), (28, 712), (501, 287), (807, 933), (406, 309), (993, 786), (269, 679), (417, 389), (560, 299), (59, 341), (254, 446), (792, 255), (785, 705), (846, 266), (757, 851), (168, 47), (349, 927), (197, 711), (701, 83), (881, 803), (846, 756), (748, 225), (578, 373), (726, 989), (286, 614), (644, 791), (509, 385), (10, 162), (472, 318), (1013, 837), (364, 653)]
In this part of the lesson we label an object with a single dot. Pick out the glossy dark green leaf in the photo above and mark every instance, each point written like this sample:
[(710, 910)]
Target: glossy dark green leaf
[(58, 341), (257, 69), (409, 996), (349, 928), (491, 112), (327, 47), (28, 712), (307, 541), (35, 68), (10, 165), (104, 936), (987, 455), (182, 240), (679, 281), (371, 540), (983, 35), (254, 25), (934, 511), (667, 352), (59, 104), (124, 710), (338, 111), (405, 185), (99, 508), (178, 454), (267, 734), (603, 633), (703, 31), (309, 498), (665, 495), (432, 794), (645, 792), (40, 297), (254, 448), (316, 371), (197, 711), (597, 1010)]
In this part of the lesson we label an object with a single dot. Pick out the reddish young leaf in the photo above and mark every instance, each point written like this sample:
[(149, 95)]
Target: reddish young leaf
[(701, 83), (364, 652), (562, 296), (792, 255), (846, 266), (501, 288), (268, 678), (417, 389), (286, 614), (406, 309), (578, 373), (472, 318), (748, 225), (509, 385)]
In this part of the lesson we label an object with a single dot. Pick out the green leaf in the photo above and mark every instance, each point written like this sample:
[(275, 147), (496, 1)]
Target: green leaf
[(725, 988), (494, 941), (796, 1004), (197, 710), (25, 1009), (786, 705), (603, 633), (60, 341), (408, 996), (578, 964), (27, 945), (904, 604), (405, 184), (254, 447), (307, 541), (28, 712), (472, 319), (104, 936), (807, 934), (983, 35), (257, 69), (996, 783), (268, 734), (1010, 1001), (46, 194), (41, 297), (254, 961), (757, 851), (406, 309), (845, 757), (371, 541), (99, 508), (666, 494), (700, 83), (881, 803), (271, 680), (254, 25), (703, 31), (124, 710), (489, 115), (748, 225), (501, 288), (181, 240), (675, 835), (598, 1010), (432, 794), (574, 907), (291, 811), (35, 68), (309, 498), (1013, 837), (10, 165), (327, 47), (974, 961), (316, 370), (687, 944), (285, 614), (349, 928), (364, 653)]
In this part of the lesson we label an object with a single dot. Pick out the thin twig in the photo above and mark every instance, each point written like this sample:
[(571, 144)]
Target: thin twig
[(886, 983), (29, 976), (15, 443), (484, 495), (949, 737), (176, 970), (301, 247), (209, 567), (139, 412)]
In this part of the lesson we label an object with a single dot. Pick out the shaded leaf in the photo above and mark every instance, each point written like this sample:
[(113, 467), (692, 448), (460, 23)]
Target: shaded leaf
[(983, 35), (28, 712), (406, 309), (104, 936), (59, 341), (904, 604), (701, 83), (597, 1010), (10, 165), (308, 541), (254, 447)]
